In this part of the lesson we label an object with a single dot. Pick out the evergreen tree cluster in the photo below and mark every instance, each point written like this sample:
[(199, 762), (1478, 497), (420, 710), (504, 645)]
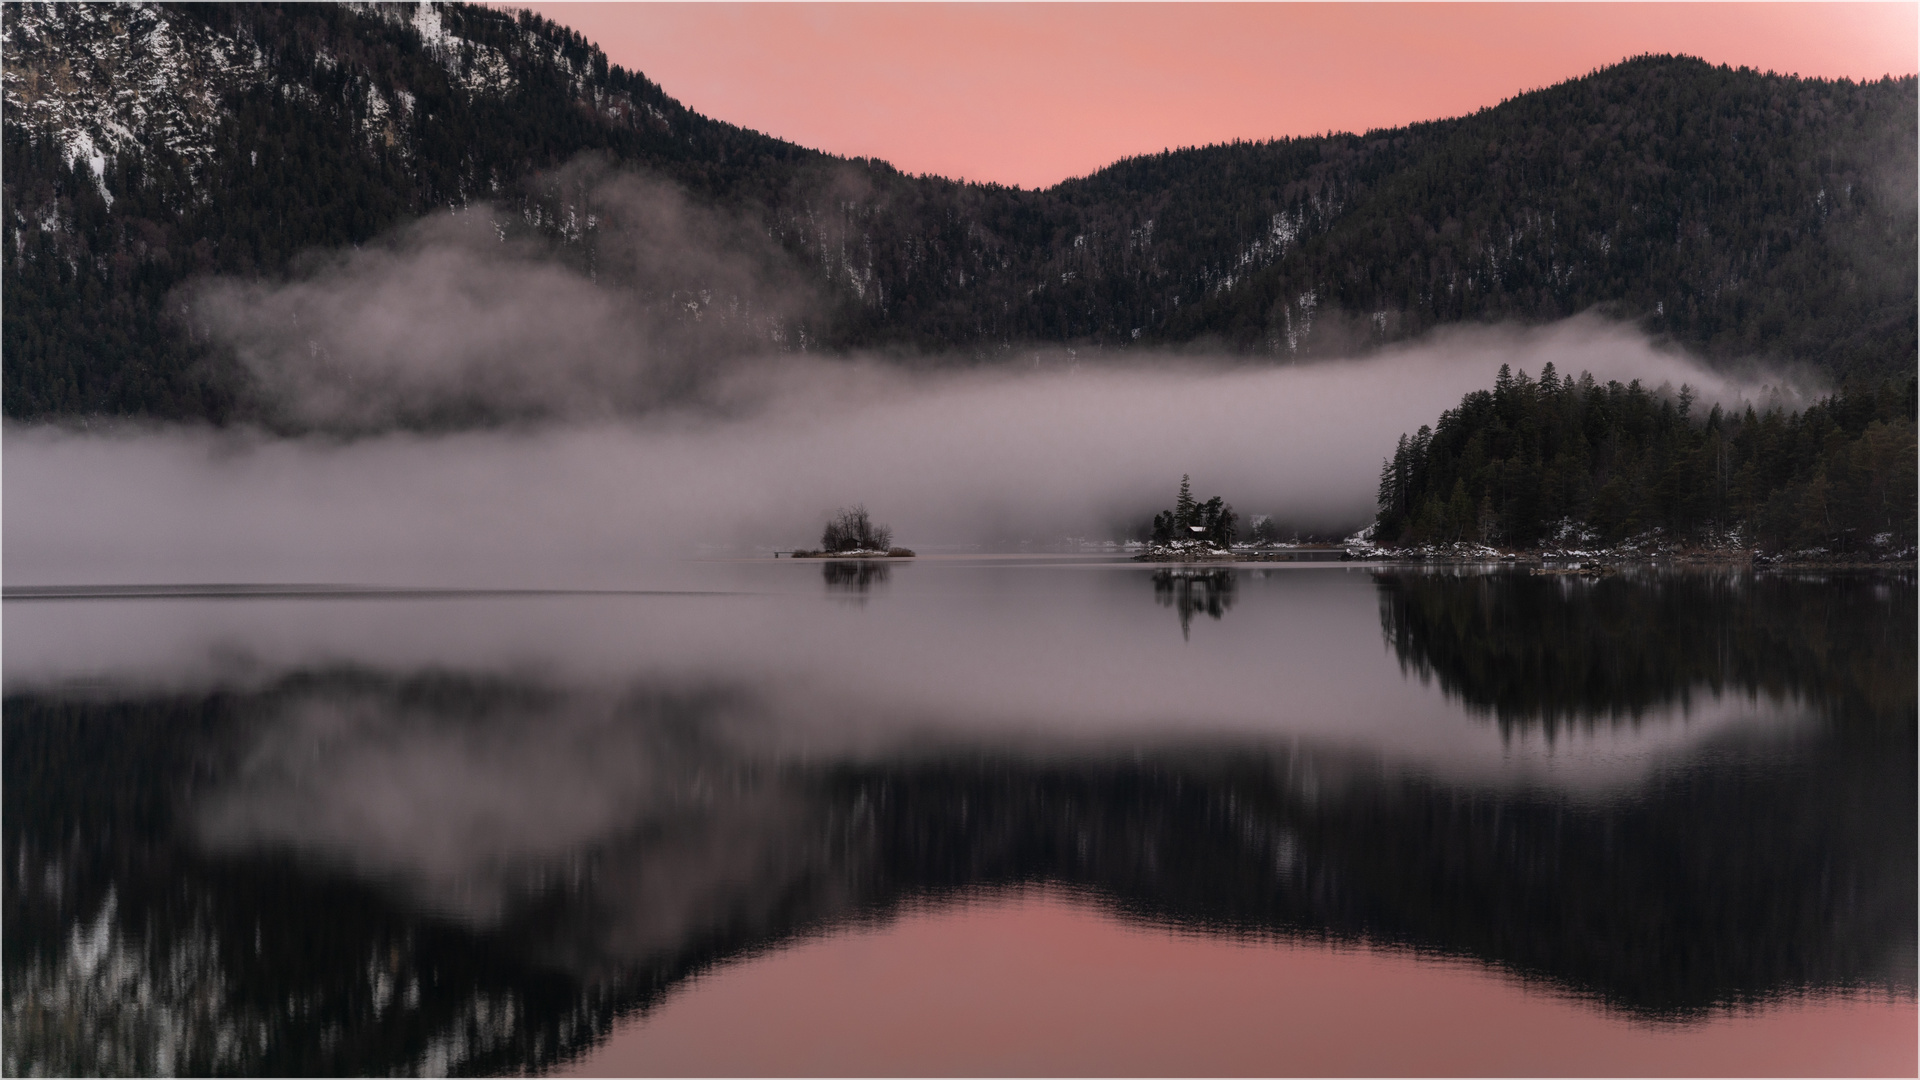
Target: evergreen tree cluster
[(1211, 524), (1571, 461), (1738, 213)]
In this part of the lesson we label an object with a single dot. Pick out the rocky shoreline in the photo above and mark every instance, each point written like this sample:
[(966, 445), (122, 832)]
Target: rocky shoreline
[(1637, 555), (1553, 561)]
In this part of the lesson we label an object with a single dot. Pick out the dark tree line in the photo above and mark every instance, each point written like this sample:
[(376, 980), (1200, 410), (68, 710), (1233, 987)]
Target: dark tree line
[(1572, 461), (1739, 213)]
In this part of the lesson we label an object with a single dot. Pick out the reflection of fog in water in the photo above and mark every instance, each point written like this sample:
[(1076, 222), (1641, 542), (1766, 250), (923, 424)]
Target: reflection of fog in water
[(478, 866), (854, 575), (1190, 592), (987, 650)]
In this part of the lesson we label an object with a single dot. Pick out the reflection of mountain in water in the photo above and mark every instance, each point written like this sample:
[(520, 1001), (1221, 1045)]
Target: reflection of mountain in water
[(854, 575), (1551, 651), (285, 881), (1193, 592)]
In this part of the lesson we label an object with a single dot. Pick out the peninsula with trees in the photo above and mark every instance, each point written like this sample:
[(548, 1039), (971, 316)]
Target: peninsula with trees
[(1567, 467), (1571, 465)]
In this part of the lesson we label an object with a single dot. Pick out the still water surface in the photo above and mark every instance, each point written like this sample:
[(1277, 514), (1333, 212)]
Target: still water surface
[(966, 815)]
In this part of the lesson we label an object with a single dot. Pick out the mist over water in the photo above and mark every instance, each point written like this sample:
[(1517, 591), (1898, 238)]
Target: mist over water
[(983, 457), (469, 401), (598, 796), (575, 801), (466, 829)]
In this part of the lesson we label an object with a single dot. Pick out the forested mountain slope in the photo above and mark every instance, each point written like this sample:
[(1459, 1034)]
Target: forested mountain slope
[(1741, 214)]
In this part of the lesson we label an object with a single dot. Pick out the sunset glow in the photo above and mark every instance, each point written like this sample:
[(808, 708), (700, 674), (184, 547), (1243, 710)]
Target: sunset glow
[(1036, 985), (1031, 94), (960, 539)]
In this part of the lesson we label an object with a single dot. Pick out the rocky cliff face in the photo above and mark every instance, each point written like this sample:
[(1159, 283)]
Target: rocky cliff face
[(103, 80), (100, 80)]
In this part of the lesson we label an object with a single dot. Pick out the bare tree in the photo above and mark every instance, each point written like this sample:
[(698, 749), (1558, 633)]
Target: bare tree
[(852, 530)]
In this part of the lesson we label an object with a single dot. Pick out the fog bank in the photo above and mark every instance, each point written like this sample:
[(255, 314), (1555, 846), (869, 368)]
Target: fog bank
[(977, 457), (612, 296), (614, 373)]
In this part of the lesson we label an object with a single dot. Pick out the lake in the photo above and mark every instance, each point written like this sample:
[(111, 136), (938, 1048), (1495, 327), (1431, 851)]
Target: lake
[(967, 814)]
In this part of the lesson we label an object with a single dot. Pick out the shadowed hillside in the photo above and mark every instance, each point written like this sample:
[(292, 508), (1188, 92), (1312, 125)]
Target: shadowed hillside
[(1740, 214)]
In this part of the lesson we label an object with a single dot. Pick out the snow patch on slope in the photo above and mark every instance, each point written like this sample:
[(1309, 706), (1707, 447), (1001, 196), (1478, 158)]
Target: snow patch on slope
[(105, 80), (478, 68)]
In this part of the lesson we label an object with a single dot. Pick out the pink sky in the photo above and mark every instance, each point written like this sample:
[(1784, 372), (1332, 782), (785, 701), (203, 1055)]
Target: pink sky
[(1032, 94), (1039, 984)]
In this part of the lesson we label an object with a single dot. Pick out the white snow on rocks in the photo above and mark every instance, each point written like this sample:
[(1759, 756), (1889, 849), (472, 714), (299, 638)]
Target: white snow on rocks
[(104, 80)]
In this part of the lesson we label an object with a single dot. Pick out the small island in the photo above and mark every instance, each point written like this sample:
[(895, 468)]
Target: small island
[(852, 534), (1192, 531)]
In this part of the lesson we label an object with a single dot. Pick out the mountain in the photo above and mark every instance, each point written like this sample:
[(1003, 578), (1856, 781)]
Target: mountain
[(1739, 214)]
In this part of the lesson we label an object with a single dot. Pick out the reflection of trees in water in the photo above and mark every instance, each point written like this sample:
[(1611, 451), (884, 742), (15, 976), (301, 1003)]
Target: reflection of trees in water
[(133, 947), (1550, 651), (1194, 592), (854, 575)]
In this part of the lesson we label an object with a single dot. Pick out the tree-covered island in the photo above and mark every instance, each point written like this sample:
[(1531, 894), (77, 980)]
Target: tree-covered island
[(1192, 530), (851, 533)]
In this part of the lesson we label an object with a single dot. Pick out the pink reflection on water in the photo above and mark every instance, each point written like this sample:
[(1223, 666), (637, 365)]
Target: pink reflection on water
[(1039, 983)]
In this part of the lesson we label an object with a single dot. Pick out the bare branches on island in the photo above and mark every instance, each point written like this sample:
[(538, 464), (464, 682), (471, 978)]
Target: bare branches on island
[(851, 533)]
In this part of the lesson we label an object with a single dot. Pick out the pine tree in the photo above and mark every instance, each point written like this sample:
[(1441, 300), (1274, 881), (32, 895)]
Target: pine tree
[(1183, 506), (1162, 528)]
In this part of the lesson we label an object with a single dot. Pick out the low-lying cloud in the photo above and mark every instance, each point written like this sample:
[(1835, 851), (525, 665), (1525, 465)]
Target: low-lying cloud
[(954, 458), (474, 401), (486, 315)]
